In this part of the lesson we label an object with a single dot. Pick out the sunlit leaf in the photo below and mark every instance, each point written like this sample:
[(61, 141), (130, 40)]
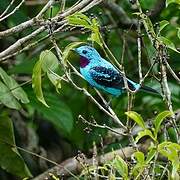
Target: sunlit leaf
[(139, 156), (36, 82), (92, 168), (168, 43), (172, 1), (150, 155), (10, 159), (49, 61), (171, 151), (55, 79), (121, 166), (163, 24), (95, 37), (14, 87), (159, 119), (140, 165), (146, 132), (136, 117), (46, 62), (79, 19)]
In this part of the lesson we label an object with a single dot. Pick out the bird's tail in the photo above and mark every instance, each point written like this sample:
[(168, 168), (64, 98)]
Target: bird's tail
[(150, 90)]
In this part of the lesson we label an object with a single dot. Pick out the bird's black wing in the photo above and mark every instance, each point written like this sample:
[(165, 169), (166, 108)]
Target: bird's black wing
[(108, 77)]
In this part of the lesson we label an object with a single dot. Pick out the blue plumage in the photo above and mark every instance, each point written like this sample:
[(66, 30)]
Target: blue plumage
[(101, 73)]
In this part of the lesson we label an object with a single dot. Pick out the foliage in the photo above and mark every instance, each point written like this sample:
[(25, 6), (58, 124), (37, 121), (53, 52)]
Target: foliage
[(42, 93), (47, 62), (11, 92), (9, 153)]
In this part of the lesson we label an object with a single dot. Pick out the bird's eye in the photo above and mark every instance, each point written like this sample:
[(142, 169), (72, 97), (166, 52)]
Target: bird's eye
[(84, 51)]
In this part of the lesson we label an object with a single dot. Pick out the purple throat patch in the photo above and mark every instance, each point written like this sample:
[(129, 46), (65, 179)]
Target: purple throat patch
[(83, 62)]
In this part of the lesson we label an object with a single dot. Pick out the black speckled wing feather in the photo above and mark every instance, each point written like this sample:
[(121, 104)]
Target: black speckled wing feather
[(108, 77)]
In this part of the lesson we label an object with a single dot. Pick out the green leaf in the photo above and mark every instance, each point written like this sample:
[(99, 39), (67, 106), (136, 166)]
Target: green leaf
[(69, 48), (49, 61), (136, 117), (139, 156), (159, 119), (171, 151), (92, 168), (172, 1), (80, 20), (14, 87), (168, 43), (143, 133), (150, 155), (172, 134), (36, 82), (178, 32), (121, 166), (95, 37), (10, 159), (7, 98), (55, 79), (58, 113), (49, 65), (163, 24), (140, 165)]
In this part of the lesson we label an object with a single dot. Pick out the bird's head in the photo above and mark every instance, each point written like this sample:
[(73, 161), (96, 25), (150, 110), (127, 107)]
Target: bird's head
[(87, 55), (87, 52)]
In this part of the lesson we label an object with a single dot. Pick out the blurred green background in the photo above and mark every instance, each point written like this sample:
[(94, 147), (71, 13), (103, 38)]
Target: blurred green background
[(56, 132)]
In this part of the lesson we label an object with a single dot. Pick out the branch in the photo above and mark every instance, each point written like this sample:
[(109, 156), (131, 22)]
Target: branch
[(109, 112), (73, 164), (13, 48), (162, 55), (123, 18), (5, 11), (12, 12), (25, 25)]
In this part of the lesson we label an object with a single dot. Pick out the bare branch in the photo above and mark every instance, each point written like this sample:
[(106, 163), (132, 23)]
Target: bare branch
[(5, 11), (12, 12), (13, 48), (123, 18), (73, 165)]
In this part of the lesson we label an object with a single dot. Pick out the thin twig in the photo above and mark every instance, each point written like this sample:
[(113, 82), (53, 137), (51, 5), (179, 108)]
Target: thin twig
[(12, 12), (172, 72), (162, 54), (104, 126), (5, 11), (15, 47), (139, 50)]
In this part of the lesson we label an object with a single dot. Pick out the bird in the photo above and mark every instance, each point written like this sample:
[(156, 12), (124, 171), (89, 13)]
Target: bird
[(101, 74)]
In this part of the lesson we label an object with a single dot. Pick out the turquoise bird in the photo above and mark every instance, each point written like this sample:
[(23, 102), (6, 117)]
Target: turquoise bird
[(102, 74)]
